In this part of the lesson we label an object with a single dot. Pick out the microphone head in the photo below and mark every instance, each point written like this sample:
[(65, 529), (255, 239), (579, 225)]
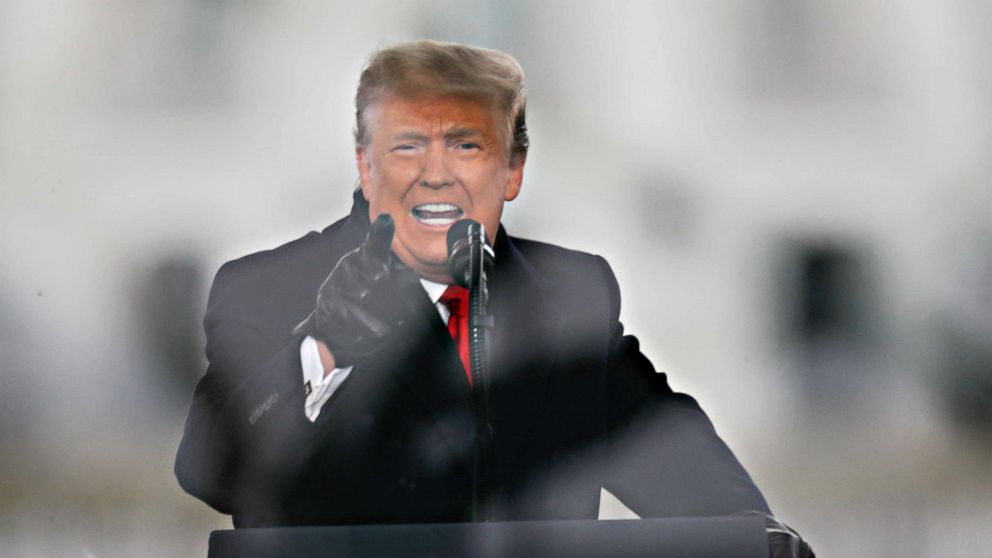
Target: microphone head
[(461, 235), (461, 230)]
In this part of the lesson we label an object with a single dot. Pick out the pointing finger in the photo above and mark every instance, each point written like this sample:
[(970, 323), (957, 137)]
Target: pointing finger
[(380, 237)]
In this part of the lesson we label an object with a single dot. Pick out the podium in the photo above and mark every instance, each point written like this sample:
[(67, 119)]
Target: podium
[(712, 537)]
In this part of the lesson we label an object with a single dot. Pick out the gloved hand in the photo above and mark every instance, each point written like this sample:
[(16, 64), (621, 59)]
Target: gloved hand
[(783, 541), (365, 298)]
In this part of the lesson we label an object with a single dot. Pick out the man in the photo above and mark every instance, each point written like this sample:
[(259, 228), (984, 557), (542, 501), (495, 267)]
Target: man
[(363, 413)]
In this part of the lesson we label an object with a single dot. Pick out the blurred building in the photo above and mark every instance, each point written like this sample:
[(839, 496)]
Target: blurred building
[(808, 251)]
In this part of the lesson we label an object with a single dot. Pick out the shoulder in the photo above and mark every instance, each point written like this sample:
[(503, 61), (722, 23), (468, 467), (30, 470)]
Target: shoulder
[(572, 277), (312, 250), (264, 281), (551, 259), (558, 263), (272, 265)]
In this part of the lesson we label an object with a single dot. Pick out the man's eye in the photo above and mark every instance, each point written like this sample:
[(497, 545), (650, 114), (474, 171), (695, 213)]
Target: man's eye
[(404, 147), (467, 146)]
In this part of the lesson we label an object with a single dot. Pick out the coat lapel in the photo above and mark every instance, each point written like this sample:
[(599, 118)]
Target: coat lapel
[(524, 349), (431, 369)]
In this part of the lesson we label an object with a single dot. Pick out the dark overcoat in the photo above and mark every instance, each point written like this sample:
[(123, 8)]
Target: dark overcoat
[(575, 406)]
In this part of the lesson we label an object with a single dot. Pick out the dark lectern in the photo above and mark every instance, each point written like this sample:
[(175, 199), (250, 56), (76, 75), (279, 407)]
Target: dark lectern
[(738, 537)]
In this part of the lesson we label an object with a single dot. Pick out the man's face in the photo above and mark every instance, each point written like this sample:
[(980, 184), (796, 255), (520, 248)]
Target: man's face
[(431, 162)]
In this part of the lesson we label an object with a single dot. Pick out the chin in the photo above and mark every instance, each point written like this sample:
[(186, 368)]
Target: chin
[(426, 263), (436, 264)]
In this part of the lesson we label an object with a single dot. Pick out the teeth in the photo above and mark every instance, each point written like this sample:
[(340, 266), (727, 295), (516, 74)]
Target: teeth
[(436, 220), (437, 207), (437, 213)]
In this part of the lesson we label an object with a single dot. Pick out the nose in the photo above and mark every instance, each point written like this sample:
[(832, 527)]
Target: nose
[(435, 173)]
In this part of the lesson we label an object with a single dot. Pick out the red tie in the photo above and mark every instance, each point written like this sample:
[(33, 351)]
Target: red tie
[(456, 299)]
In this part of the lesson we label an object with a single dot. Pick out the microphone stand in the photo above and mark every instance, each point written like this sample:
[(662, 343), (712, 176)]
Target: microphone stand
[(475, 278)]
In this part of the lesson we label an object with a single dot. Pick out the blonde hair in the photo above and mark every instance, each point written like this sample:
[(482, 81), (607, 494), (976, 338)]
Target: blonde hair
[(436, 69)]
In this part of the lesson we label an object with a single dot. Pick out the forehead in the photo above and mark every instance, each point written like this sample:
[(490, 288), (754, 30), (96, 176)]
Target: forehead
[(393, 114)]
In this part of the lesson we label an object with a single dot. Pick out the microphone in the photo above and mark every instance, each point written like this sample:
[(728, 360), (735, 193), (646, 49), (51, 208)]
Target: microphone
[(470, 262), (464, 238)]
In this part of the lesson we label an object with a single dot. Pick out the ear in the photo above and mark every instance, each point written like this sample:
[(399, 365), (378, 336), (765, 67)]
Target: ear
[(516, 177), (363, 163)]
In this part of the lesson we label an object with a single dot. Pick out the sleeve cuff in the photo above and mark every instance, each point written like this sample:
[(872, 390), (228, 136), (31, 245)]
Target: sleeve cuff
[(318, 389)]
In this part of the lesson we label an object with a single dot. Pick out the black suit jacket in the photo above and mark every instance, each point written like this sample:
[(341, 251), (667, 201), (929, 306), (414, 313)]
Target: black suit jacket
[(574, 404)]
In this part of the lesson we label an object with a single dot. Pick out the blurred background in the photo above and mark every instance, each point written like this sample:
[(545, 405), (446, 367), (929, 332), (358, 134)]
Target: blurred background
[(795, 196)]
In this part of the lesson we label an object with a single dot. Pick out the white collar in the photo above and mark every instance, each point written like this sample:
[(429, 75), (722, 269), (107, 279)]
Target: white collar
[(434, 290)]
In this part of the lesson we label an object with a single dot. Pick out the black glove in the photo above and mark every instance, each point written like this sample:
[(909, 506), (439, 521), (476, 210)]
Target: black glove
[(364, 299), (783, 541)]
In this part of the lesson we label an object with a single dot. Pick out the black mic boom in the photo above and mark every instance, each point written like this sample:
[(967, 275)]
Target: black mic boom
[(470, 261)]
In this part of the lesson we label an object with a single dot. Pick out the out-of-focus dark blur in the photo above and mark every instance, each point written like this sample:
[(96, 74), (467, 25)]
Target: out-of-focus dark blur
[(795, 196)]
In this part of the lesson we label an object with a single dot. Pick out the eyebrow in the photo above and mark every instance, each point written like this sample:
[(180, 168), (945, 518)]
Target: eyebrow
[(453, 134), (410, 135), (461, 132)]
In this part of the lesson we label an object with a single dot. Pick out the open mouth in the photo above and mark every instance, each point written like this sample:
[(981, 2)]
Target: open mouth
[(437, 214)]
